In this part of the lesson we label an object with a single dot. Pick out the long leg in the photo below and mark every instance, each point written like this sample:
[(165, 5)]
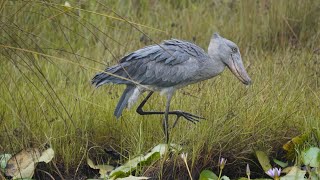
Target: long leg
[(188, 116), (166, 117)]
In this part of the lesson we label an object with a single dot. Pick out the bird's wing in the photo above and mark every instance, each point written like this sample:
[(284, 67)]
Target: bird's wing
[(172, 52), (173, 62)]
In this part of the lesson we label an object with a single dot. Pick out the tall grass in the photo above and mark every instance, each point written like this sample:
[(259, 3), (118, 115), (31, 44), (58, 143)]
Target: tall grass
[(50, 52)]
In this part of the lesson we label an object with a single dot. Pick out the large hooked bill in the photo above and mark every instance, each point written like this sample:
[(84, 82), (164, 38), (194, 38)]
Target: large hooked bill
[(237, 68)]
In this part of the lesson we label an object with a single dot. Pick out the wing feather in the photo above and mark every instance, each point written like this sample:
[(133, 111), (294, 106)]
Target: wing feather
[(171, 63)]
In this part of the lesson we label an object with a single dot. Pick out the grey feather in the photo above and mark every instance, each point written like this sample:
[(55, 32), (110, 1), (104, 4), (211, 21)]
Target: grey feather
[(123, 102), (155, 64)]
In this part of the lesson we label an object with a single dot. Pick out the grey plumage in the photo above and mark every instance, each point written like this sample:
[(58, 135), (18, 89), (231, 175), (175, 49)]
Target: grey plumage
[(169, 66), (165, 65), (123, 102)]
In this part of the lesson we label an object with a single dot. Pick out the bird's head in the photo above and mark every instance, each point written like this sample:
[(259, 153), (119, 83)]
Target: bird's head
[(228, 52)]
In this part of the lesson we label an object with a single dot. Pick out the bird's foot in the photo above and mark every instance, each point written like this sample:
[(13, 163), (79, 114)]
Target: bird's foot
[(188, 116)]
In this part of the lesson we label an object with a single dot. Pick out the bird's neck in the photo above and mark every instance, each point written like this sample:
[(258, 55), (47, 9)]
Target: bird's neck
[(211, 68), (215, 64)]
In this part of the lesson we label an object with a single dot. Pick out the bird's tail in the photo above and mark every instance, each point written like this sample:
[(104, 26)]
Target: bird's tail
[(123, 102), (107, 77)]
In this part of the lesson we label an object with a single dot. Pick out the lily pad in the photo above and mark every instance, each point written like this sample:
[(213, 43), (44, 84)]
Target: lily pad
[(103, 168), (287, 169), (291, 146), (311, 157), (207, 175), (133, 178), (243, 178), (225, 178), (295, 174), (46, 156), (280, 163), (263, 160), (23, 164), (132, 164)]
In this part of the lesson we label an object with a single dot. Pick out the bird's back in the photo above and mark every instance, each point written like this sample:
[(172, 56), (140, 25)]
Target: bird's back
[(173, 62)]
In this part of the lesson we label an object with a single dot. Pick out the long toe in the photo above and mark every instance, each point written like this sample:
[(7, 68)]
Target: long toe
[(186, 116), (194, 116), (190, 117)]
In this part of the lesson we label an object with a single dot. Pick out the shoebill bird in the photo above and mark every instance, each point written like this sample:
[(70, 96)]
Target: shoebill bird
[(167, 67)]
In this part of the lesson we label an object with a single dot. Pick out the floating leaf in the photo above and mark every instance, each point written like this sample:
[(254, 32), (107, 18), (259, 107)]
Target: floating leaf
[(298, 140), (103, 169), (132, 178), (127, 168), (225, 178), (155, 153), (132, 164), (46, 155), (280, 163), (263, 160), (291, 145), (4, 158), (243, 178), (311, 157), (23, 164), (207, 175), (175, 147), (287, 169), (295, 174)]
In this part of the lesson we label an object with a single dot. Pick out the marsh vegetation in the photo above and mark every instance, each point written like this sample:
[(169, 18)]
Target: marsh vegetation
[(49, 53)]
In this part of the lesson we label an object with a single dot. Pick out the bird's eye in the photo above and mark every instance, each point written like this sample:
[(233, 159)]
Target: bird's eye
[(234, 50)]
